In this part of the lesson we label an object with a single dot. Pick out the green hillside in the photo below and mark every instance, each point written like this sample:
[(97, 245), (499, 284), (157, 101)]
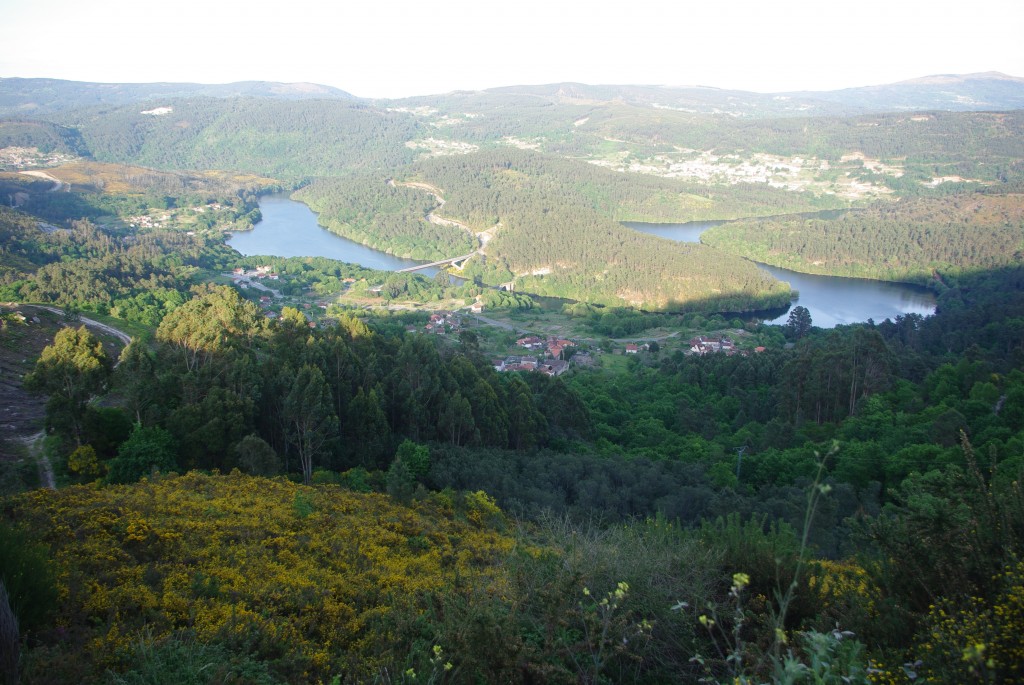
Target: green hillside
[(908, 241), (554, 230), (283, 139)]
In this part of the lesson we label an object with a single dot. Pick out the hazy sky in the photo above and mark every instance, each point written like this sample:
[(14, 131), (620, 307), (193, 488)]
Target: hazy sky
[(395, 48)]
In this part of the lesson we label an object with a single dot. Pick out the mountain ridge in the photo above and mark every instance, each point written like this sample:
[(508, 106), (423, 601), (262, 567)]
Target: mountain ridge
[(31, 96), (990, 90)]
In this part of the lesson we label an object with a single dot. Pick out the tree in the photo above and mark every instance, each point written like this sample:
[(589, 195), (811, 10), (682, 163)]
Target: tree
[(209, 324), (70, 371), (416, 458), (147, 449), (400, 480), (367, 431), (309, 412), (456, 420), (256, 457), (135, 378), (799, 323)]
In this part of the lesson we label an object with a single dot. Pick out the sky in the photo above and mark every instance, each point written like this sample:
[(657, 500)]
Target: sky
[(399, 48)]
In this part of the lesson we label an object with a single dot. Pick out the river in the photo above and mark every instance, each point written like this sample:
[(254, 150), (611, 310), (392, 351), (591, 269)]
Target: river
[(831, 300), (290, 229)]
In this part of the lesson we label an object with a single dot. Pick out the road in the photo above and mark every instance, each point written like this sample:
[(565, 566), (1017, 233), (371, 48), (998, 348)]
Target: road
[(57, 183), (90, 323), (253, 284)]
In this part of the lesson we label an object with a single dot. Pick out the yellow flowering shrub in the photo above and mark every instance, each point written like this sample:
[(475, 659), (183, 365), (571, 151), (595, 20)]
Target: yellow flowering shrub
[(229, 559), (969, 640), (844, 592), (975, 640)]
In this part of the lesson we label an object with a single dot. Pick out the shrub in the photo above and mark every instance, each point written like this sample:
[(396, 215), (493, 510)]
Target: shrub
[(147, 449), (27, 574)]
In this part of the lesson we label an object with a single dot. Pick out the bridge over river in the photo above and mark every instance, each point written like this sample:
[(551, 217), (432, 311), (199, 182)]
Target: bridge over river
[(450, 260)]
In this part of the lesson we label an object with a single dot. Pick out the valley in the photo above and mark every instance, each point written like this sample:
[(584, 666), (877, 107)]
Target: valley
[(721, 387)]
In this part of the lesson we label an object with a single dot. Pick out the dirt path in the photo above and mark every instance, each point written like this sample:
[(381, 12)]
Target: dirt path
[(34, 443), (432, 217), (91, 323), (57, 183)]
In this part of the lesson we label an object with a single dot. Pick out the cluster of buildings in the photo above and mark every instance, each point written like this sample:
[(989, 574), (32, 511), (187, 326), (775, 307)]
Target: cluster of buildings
[(554, 346), (259, 273), (442, 323), (145, 221), (704, 345), (14, 157), (552, 364), (551, 367)]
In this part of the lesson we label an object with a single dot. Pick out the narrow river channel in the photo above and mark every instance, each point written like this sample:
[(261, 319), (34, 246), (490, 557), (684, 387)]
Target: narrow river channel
[(831, 300)]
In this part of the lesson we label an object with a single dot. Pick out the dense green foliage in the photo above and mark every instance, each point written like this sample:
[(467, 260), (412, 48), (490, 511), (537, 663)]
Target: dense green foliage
[(139, 278), (44, 136), (385, 217), (555, 232), (912, 404), (284, 139), (906, 241)]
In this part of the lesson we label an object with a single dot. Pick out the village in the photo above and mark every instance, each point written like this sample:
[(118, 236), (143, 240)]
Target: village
[(511, 343)]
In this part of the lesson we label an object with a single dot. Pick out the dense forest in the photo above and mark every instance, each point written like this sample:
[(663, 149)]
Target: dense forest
[(386, 217), (280, 138), (908, 241), (554, 231)]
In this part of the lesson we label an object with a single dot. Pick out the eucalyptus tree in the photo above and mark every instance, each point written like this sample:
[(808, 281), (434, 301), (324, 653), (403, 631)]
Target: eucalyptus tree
[(312, 423), (71, 371)]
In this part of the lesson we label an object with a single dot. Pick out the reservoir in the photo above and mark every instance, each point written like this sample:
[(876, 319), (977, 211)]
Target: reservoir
[(290, 229), (831, 300)]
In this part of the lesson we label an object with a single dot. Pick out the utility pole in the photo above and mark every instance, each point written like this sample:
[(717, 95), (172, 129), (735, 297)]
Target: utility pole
[(739, 460)]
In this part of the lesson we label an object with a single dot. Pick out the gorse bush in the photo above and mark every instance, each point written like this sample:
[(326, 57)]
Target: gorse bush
[(277, 573)]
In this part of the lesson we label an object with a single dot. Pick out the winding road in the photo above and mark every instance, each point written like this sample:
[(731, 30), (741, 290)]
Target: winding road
[(57, 183), (90, 323)]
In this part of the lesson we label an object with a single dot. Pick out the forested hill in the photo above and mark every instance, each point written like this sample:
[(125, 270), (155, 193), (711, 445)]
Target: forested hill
[(280, 138), (908, 241), (990, 90), (555, 232), (952, 92), (35, 96)]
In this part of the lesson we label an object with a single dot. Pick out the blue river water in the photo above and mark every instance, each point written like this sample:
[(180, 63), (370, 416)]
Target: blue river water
[(290, 229), (831, 300)]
